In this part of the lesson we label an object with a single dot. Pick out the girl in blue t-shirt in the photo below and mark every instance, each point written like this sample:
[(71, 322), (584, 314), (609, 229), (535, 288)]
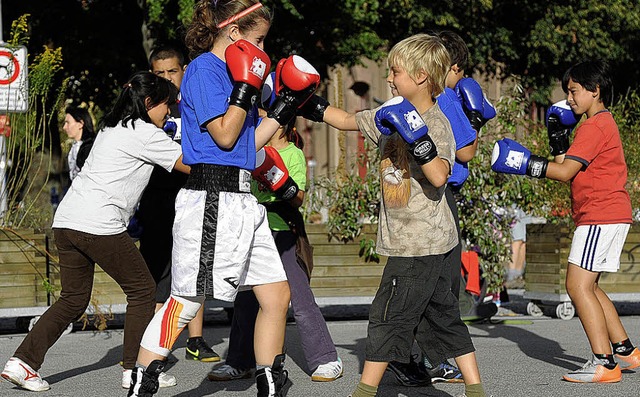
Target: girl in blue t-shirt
[(221, 238)]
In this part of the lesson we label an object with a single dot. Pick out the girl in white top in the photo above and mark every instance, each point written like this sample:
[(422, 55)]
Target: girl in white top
[(91, 221)]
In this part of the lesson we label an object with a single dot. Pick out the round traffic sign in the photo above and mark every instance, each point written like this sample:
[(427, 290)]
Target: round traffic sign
[(9, 67)]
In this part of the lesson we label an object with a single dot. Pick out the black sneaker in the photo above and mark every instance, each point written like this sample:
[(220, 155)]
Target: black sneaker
[(144, 383), (199, 350), (271, 381), (411, 374), (444, 372)]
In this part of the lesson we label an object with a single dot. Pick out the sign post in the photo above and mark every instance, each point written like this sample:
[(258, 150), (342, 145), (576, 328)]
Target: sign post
[(14, 93)]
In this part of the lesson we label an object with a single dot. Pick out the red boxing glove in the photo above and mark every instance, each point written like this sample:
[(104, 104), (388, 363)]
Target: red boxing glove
[(272, 173), (295, 82), (249, 66), (296, 74)]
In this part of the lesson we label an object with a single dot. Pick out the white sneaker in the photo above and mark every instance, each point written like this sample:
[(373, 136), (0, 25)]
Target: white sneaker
[(21, 374), (165, 379), (328, 372)]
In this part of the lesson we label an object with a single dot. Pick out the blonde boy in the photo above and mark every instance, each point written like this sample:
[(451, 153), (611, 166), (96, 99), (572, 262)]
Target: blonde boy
[(416, 229)]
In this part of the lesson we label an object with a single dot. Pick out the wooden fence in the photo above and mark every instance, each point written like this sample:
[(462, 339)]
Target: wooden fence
[(339, 272)]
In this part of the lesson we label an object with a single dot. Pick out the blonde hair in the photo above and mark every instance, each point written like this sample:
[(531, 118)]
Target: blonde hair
[(423, 53)]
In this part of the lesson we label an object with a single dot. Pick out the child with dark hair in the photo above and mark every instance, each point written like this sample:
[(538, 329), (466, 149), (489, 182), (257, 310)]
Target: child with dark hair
[(595, 166), (91, 221)]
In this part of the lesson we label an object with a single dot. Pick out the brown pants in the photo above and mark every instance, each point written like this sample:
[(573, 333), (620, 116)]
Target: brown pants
[(119, 258)]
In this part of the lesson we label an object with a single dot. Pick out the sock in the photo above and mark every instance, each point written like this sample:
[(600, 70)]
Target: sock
[(364, 390), (475, 390), (259, 367), (623, 348), (611, 363)]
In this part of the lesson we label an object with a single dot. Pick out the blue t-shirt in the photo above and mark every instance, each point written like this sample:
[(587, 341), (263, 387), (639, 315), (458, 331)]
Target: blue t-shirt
[(205, 91), (463, 133)]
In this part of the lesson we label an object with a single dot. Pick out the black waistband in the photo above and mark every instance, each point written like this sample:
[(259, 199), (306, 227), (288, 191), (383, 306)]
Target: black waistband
[(221, 178)]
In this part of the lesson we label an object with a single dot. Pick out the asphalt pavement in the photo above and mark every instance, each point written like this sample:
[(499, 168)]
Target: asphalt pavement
[(519, 355)]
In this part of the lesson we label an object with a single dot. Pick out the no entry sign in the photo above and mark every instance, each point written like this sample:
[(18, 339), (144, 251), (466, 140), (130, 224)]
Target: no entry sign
[(13, 79)]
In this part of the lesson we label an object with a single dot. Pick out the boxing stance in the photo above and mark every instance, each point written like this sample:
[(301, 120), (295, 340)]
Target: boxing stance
[(215, 254), (594, 164)]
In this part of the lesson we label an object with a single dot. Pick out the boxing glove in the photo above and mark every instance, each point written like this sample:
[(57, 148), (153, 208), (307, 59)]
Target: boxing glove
[(398, 114), (172, 128), (510, 157), (249, 66), (268, 94), (295, 82), (560, 122), (314, 108), (474, 103), (272, 173)]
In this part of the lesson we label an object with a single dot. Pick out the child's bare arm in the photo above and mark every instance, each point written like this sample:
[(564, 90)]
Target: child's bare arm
[(265, 131), (340, 119), (437, 171), (225, 129), (182, 167), (466, 154), (562, 169)]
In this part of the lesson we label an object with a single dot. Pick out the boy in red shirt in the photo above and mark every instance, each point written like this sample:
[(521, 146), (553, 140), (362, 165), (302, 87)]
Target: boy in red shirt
[(596, 168)]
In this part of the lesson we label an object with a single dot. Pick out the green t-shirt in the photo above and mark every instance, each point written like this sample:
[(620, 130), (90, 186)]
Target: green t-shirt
[(296, 164)]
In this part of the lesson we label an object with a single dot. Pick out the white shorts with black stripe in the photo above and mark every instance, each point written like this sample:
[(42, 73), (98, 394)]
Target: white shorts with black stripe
[(597, 248), (221, 237)]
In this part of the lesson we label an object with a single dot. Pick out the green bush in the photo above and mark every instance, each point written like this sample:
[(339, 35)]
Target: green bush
[(626, 112), (487, 196), (28, 150)]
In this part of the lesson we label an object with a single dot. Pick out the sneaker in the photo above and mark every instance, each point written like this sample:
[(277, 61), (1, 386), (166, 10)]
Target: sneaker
[(594, 371), (271, 381), (164, 379), (227, 372), (145, 383), (21, 374), (199, 350), (445, 372), (629, 361), (411, 374), (328, 372)]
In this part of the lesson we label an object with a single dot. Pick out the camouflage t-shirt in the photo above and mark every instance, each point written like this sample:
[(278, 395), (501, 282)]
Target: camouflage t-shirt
[(415, 219)]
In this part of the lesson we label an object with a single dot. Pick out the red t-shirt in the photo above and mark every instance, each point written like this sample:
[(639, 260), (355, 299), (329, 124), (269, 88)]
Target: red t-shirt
[(598, 194)]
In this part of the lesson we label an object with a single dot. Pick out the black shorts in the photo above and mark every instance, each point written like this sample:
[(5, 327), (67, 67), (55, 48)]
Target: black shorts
[(415, 295)]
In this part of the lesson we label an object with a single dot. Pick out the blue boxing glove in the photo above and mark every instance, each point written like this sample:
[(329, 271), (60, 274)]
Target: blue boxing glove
[(172, 128), (268, 92), (510, 157), (474, 103), (398, 114), (560, 122)]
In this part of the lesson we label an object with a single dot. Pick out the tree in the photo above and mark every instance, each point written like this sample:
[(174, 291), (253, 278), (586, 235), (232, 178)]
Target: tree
[(101, 42)]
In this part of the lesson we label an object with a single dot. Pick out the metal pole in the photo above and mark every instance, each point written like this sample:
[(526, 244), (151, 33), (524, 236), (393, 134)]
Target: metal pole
[(3, 155)]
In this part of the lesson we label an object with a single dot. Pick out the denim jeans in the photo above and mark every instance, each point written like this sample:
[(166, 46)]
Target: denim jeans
[(78, 252)]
